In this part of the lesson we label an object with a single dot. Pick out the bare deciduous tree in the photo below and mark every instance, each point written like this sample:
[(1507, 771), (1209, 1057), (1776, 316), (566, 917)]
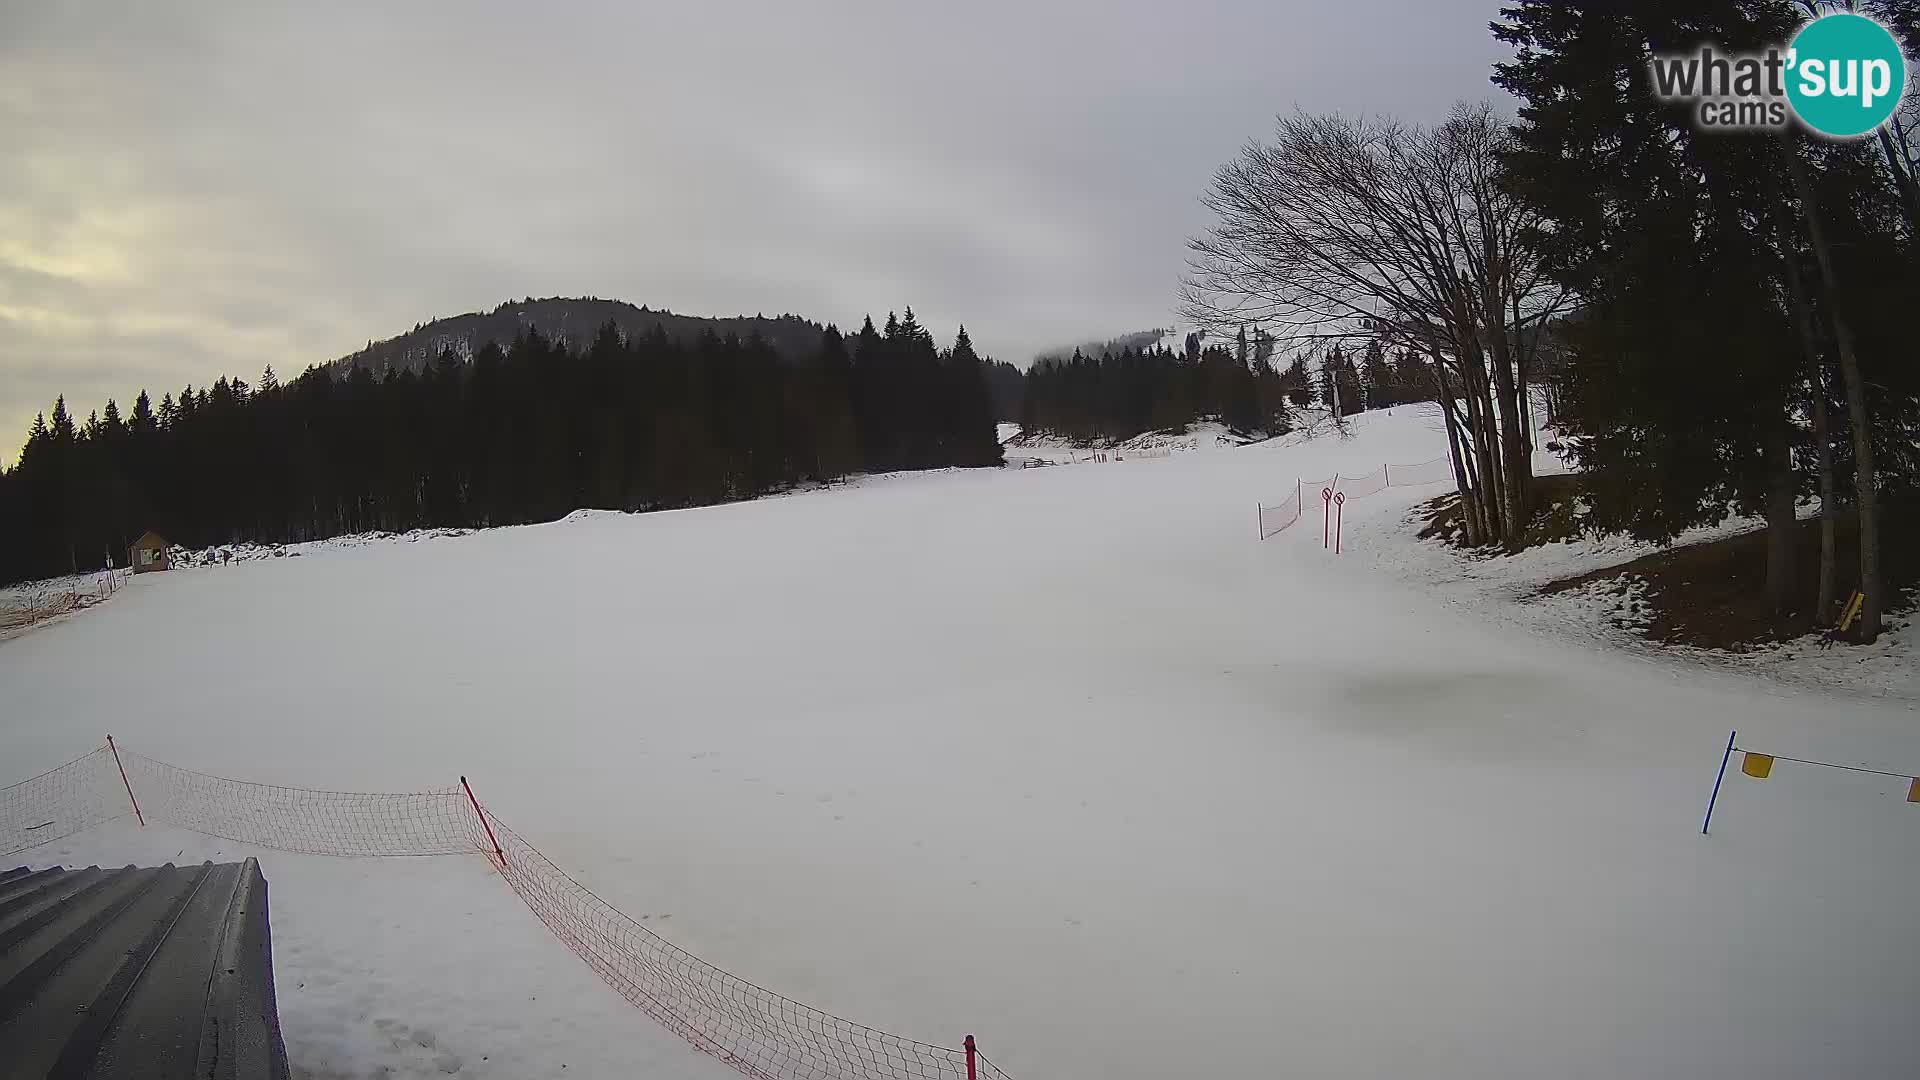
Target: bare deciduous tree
[(1347, 227)]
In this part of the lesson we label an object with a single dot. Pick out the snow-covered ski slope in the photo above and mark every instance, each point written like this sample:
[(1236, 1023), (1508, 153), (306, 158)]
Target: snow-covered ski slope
[(1062, 757)]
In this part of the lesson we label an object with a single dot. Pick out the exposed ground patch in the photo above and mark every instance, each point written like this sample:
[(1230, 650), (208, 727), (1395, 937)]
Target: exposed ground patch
[(1710, 594)]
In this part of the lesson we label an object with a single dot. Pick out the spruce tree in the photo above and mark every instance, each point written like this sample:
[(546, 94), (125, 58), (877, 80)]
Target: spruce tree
[(1681, 366), (1411, 379), (975, 439), (62, 429), (522, 434), (1299, 383), (1376, 378)]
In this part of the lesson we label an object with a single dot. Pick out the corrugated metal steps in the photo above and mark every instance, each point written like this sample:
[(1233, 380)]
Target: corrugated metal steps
[(162, 972)]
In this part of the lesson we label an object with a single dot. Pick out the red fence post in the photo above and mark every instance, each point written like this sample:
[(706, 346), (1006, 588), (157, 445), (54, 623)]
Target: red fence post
[(1386, 475), (123, 780), (1326, 496), (498, 854), (970, 1056), (1339, 501)]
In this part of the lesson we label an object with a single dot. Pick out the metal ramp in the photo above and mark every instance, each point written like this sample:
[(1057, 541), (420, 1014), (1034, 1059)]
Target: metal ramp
[(163, 972)]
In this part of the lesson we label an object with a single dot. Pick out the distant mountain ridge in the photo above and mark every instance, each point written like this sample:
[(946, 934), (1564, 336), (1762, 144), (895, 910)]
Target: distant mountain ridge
[(573, 320)]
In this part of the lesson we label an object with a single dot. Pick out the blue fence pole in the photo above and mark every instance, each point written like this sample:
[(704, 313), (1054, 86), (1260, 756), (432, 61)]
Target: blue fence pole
[(1719, 776)]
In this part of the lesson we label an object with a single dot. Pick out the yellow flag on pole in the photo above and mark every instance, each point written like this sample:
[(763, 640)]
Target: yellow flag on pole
[(1758, 766)]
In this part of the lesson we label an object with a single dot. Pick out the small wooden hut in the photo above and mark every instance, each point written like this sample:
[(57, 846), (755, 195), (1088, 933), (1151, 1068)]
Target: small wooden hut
[(148, 553)]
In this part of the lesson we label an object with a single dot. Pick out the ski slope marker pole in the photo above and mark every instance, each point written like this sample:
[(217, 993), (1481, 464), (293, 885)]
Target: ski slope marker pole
[(1339, 501), (1326, 500), (1721, 775), (137, 816), (501, 855), (971, 1054)]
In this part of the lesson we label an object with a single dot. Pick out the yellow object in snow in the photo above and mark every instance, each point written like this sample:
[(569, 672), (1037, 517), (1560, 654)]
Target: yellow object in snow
[(1852, 610), (1913, 793), (1758, 766)]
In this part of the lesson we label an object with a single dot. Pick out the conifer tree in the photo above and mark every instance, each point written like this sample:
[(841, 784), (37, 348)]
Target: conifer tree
[(1682, 367), (518, 434)]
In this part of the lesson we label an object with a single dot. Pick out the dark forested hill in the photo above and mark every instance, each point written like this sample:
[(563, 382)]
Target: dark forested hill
[(621, 417), (571, 322), (1137, 340)]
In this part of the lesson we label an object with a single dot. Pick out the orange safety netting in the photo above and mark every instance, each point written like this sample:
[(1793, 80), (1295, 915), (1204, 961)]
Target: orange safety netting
[(1426, 472), (1277, 518), (1273, 519), (60, 802), (760, 1033), (1359, 487), (300, 820)]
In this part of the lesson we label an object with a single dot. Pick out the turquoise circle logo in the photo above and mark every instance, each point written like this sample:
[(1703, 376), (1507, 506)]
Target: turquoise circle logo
[(1845, 75)]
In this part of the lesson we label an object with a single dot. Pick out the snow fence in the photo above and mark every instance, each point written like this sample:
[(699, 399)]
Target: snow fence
[(1316, 494), (758, 1032), (22, 609)]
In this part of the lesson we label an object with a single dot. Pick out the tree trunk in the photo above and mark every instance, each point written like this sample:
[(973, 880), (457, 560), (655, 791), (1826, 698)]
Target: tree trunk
[(1526, 420), (1512, 441), (1463, 479), (1902, 179), (1469, 512), (1822, 438), (1480, 527), (1492, 486), (1778, 453), (1864, 481), (1486, 453)]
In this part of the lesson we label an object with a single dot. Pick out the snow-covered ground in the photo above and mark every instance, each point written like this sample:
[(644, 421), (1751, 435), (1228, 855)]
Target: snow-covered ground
[(1508, 587), (89, 581), (1056, 450), (1610, 610), (29, 605), (1062, 757), (228, 554)]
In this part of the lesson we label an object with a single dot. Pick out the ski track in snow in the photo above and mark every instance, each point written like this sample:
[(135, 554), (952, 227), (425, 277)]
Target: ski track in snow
[(1062, 757)]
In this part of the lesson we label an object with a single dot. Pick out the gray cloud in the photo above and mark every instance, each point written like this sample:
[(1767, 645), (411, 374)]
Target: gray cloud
[(188, 190)]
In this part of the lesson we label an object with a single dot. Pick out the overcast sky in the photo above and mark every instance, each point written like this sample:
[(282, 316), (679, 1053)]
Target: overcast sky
[(194, 189)]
